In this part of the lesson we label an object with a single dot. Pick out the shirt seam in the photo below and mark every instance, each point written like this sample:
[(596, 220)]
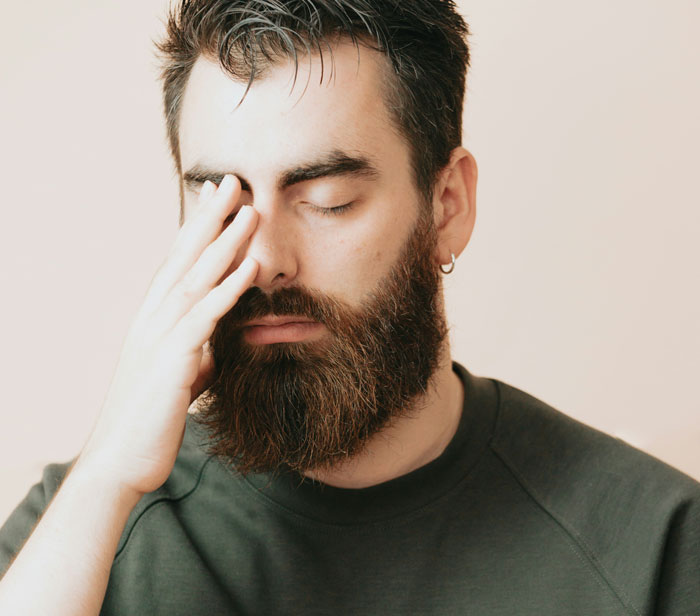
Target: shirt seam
[(153, 503)]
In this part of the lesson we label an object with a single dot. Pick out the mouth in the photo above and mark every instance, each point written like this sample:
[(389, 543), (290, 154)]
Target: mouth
[(274, 329), (275, 320)]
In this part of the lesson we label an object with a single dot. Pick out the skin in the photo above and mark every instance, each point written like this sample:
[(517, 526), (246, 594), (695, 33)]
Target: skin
[(278, 127)]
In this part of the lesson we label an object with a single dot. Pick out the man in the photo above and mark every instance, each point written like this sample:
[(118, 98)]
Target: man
[(337, 460)]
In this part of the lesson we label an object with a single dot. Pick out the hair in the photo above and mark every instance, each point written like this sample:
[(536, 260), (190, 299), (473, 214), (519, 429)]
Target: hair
[(425, 42)]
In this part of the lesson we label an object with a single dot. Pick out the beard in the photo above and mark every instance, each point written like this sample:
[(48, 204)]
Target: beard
[(301, 406)]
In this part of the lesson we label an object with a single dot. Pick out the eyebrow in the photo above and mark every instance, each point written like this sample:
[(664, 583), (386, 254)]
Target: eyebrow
[(333, 164)]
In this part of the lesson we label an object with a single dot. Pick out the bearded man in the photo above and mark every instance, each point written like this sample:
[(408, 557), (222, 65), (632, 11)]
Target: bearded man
[(335, 458)]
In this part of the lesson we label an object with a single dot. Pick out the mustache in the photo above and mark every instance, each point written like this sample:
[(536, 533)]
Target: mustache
[(288, 301)]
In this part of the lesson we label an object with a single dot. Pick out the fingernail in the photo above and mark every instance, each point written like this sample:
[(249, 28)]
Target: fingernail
[(227, 182), (206, 190), (246, 210)]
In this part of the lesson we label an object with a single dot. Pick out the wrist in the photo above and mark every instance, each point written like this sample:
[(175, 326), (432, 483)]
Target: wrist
[(91, 478)]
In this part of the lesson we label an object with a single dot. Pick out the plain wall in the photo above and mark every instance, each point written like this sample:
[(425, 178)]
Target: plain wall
[(580, 283)]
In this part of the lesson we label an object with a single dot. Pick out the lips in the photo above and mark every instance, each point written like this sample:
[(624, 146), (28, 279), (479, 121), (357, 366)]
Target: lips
[(271, 330), (276, 320)]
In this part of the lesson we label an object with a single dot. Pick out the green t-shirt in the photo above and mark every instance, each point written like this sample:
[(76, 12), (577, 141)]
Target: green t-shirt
[(526, 512)]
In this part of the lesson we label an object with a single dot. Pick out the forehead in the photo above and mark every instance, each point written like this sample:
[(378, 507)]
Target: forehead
[(332, 104)]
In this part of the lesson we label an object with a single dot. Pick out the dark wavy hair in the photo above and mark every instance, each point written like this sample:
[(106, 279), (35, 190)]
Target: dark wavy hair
[(425, 42)]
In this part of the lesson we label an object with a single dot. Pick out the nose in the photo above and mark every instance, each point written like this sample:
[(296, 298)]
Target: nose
[(272, 245)]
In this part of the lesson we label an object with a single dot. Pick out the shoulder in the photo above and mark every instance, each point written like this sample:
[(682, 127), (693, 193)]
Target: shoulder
[(633, 518), (560, 455), (625, 509)]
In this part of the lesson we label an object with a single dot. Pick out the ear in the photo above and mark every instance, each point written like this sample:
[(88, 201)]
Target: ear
[(454, 205)]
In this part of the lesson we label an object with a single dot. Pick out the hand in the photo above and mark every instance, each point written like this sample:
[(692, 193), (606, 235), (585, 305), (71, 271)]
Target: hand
[(163, 366)]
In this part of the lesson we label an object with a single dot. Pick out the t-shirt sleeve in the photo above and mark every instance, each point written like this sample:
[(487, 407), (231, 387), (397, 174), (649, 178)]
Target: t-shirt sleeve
[(678, 590), (22, 520)]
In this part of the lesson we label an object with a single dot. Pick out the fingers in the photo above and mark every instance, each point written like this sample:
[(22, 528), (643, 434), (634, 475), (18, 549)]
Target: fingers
[(195, 235), (217, 257), (209, 268), (197, 326)]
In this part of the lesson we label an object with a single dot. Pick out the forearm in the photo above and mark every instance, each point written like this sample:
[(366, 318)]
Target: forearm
[(64, 566)]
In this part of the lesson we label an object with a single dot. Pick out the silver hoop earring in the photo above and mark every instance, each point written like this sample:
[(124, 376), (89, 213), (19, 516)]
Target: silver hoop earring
[(449, 271)]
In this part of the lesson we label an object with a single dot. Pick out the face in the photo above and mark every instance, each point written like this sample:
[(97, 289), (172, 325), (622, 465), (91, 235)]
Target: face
[(365, 272)]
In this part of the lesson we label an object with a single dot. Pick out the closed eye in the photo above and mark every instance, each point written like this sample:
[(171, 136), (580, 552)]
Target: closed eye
[(333, 211)]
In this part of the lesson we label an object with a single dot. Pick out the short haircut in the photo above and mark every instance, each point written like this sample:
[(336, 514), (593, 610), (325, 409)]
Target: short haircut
[(425, 42)]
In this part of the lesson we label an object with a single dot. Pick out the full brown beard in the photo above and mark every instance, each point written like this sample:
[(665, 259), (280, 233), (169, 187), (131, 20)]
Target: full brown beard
[(304, 406)]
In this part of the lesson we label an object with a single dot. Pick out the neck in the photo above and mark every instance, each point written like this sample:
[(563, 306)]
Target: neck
[(409, 442)]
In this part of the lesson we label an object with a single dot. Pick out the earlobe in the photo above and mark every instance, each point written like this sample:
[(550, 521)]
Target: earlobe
[(455, 205)]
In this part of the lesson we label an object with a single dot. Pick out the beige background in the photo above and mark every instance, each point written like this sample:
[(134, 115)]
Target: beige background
[(580, 284)]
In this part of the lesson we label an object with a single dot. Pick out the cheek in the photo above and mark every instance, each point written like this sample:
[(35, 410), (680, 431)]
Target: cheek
[(353, 263)]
